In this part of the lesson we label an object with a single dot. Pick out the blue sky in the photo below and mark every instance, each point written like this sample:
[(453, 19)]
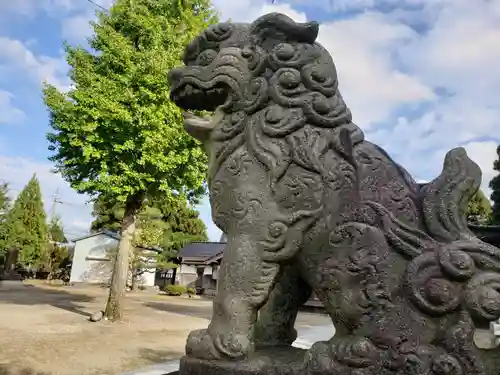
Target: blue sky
[(420, 76)]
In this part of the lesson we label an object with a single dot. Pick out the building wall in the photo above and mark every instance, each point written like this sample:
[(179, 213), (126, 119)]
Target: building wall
[(148, 278), (91, 264), (187, 276)]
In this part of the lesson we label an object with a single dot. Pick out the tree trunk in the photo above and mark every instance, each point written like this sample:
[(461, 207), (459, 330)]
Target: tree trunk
[(135, 276), (114, 306)]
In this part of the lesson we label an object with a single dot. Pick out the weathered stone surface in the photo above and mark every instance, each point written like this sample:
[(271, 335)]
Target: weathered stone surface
[(308, 204), (282, 361)]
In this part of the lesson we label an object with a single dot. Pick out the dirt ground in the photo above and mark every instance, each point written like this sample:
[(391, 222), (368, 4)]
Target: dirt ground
[(45, 330)]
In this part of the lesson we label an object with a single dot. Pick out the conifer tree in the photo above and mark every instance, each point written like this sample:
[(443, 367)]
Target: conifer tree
[(56, 232), (4, 209), (27, 229)]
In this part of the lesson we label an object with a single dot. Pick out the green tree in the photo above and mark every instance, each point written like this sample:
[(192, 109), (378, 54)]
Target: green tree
[(27, 229), (116, 133), (4, 209), (55, 259), (166, 224), (167, 213), (56, 232), (108, 215), (4, 198), (479, 208), (495, 195)]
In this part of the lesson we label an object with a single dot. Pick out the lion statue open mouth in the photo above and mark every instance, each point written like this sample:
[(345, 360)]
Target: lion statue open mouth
[(309, 205)]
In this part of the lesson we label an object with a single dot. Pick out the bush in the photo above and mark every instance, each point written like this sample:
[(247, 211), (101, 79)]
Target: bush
[(63, 272), (175, 290), (191, 291)]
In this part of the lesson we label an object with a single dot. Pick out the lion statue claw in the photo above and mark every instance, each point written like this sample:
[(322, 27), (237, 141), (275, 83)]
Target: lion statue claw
[(309, 205)]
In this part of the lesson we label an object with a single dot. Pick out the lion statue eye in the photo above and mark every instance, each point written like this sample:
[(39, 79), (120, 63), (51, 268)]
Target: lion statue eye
[(206, 57)]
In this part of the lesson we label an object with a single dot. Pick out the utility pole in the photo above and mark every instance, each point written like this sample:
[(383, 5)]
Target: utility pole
[(55, 201)]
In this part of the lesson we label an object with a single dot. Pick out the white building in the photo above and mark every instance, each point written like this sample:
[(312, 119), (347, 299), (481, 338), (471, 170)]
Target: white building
[(91, 261)]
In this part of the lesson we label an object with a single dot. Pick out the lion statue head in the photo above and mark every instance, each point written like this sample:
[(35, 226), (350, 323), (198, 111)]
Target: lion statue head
[(274, 93)]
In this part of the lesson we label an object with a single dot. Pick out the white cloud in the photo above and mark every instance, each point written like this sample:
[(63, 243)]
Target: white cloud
[(54, 8), (362, 48), (447, 73), (18, 59), (483, 153), (76, 29), (9, 113), (31, 7), (462, 59), (383, 63), (74, 211)]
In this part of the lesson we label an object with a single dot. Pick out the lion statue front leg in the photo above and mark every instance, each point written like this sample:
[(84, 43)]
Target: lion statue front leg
[(243, 288)]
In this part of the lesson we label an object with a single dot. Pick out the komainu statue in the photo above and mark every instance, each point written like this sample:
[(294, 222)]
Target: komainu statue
[(309, 205)]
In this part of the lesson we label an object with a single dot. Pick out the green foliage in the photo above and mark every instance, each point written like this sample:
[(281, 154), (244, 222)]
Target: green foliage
[(191, 291), (27, 228), (169, 222), (150, 228), (116, 132), (495, 195), (4, 209), (63, 271), (4, 198), (175, 290), (479, 209), (56, 232), (55, 259), (166, 224), (108, 215)]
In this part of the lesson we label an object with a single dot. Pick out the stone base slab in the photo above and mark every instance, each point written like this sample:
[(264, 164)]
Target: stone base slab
[(286, 361)]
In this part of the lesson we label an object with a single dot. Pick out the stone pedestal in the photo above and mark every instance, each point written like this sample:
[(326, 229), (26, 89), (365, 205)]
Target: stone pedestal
[(285, 361)]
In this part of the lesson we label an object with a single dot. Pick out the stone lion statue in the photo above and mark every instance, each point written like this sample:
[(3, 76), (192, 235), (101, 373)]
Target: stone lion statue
[(309, 205)]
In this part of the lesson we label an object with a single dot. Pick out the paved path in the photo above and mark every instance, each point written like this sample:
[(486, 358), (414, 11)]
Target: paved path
[(202, 308), (308, 335)]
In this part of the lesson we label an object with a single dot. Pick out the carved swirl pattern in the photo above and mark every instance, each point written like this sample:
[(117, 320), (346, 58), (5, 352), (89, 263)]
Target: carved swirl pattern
[(453, 276), (208, 40), (361, 356)]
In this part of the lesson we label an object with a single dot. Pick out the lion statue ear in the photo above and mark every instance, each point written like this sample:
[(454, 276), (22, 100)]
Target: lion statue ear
[(281, 28)]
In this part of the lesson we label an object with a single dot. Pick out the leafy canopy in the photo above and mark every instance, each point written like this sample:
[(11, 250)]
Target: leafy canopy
[(116, 132), (495, 195), (167, 222), (56, 232), (479, 208)]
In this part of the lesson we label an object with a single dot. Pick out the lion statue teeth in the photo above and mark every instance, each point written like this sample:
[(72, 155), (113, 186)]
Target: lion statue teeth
[(309, 205)]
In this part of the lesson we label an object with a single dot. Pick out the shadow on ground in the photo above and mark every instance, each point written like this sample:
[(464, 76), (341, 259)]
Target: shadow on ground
[(7, 370), (33, 295), (157, 356), (204, 312)]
